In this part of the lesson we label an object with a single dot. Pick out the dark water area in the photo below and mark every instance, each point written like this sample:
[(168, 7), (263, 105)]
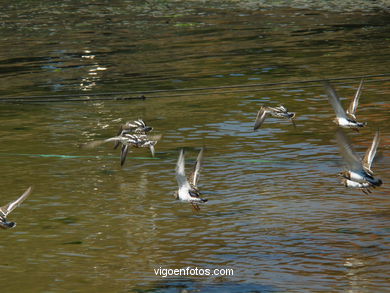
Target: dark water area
[(277, 214)]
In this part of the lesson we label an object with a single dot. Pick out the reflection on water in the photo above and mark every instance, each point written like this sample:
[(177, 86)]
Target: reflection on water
[(277, 213)]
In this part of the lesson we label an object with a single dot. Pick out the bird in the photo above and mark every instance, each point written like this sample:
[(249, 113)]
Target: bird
[(188, 187), (128, 140), (358, 173), (278, 112), (136, 126), (8, 208), (344, 119), (138, 141)]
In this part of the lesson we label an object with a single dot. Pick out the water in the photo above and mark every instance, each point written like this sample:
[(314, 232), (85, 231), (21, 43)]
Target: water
[(277, 214)]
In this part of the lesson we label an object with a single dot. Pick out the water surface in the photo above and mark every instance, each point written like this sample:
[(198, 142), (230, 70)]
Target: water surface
[(277, 214)]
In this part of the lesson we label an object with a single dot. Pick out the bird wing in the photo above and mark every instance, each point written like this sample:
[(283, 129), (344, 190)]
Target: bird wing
[(124, 151), (155, 137), (120, 132), (129, 125), (180, 172), (96, 143), (261, 115), (335, 101), (350, 157), (194, 177), (151, 147), (8, 208), (141, 123), (371, 152), (355, 102), (282, 108)]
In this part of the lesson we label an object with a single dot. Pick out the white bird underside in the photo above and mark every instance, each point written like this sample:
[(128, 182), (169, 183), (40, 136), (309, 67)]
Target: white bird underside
[(343, 122), (357, 177), (354, 184)]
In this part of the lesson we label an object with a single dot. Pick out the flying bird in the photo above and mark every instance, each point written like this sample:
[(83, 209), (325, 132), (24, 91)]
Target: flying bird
[(278, 112), (138, 141), (127, 141), (188, 187), (345, 119), (136, 126), (358, 173), (8, 208)]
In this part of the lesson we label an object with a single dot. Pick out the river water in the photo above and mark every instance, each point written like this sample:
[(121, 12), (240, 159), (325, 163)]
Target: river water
[(277, 214)]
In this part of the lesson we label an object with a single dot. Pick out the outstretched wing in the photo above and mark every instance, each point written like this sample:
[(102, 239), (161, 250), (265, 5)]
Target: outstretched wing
[(351, 159), (152, 150), (180, 172), (96, 143), (124, 151), (155, 137), (194, 177), (5, 210), (120, 132), (371, 152), (355, 102), (334, 100), (261, 115), (140, 122)]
